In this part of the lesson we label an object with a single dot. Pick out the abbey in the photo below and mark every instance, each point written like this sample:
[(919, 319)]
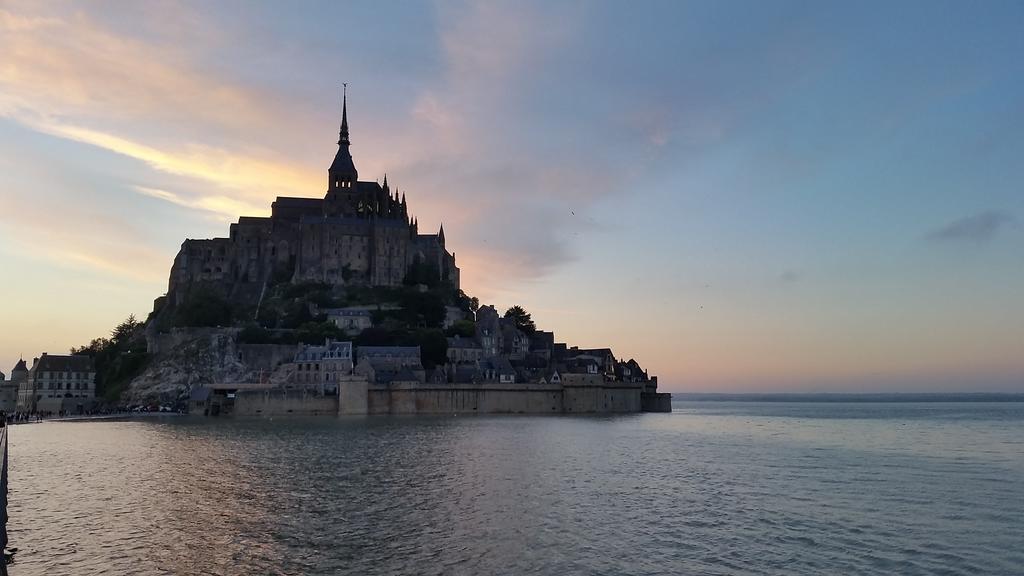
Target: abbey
[(358, 233)]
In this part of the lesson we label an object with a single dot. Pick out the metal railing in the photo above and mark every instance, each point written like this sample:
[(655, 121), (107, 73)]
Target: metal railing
[(3, 502)]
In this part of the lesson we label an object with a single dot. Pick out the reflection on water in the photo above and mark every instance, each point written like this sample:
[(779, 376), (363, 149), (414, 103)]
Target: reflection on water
[(721, 488)]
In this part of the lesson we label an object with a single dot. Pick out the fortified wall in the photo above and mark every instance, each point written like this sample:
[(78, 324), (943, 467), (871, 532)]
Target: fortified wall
[(587, 396)]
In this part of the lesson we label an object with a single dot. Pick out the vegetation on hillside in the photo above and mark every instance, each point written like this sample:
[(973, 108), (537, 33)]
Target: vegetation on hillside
[(117, 359)]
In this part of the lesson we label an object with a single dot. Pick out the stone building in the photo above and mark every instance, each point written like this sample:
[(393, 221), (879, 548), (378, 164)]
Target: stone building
[(9, 388), (57, 382), (515, 343), (359, 232), (320, 368), (351, 320), (488, 331), (464, 350), (389, 364)]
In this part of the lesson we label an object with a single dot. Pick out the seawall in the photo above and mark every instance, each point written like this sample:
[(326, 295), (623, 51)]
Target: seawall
[(585, 398), (279, 402)]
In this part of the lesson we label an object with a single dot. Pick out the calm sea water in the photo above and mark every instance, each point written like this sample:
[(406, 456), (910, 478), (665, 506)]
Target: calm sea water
[(714, 488)]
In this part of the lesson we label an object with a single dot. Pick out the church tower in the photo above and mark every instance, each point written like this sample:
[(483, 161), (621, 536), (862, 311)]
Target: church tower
[(342, 176)]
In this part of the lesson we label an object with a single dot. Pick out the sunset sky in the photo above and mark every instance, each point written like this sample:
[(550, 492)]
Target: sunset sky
[(744, 196)]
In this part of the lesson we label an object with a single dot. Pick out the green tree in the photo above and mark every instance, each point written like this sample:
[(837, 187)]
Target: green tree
[(464, 328), (521, 318), (117, 359), (123, 332)]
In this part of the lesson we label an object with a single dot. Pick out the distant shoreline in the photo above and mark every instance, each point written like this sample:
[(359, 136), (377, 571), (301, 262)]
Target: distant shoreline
[(850, 397)]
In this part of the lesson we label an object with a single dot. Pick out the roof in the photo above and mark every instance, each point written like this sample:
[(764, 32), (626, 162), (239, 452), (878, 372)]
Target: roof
[(199, 394), (254, 221), (389, 376), (464, 343), (465, 374), (386, 351), (293, 202), (60, 363), (499, 364), (20, 366), (343, 161), (332, 349), (369, 187), (592, 352)]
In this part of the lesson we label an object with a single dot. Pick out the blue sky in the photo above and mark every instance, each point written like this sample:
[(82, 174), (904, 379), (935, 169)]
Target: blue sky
[(743, 196)]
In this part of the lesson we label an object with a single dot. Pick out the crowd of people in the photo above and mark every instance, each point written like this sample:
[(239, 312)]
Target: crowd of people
[(24, 417)]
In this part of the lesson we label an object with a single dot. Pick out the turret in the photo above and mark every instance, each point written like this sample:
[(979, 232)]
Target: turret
[(440, 236)]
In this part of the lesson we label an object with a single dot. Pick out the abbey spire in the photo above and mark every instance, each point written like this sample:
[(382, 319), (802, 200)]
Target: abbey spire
[(342, 174), (343, 134)]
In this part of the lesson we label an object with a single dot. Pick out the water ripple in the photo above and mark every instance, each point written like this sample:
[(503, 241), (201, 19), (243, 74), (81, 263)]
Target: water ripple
[(700, 491)]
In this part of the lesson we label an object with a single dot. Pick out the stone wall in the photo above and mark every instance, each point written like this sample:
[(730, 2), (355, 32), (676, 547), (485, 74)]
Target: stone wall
[(503, 399), (357, 397), (277, 402), (656, 402), (352, 395), (589, 393)]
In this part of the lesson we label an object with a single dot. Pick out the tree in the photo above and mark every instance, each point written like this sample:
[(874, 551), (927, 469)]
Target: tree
[(433, 346), (464, 328), (521, 318), (118, 359), (124, 331)]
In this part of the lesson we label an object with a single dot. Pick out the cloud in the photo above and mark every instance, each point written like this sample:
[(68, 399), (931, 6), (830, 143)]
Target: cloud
[(504, 193), (789, 276), (217, 205), (72, 78), (78, 237), (977, 228)]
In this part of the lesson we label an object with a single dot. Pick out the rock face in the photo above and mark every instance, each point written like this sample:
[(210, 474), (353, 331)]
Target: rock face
[(209, 356)]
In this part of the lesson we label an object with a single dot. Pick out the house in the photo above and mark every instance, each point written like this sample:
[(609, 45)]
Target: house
[(552, 377), (437, 376), (320, 367), (630, 372), (464, 351), (488, 330), (351, 320), (604, 357), (497, 369), (58, 383), (542, 344), (583, 364), (391, 357), (515, 342)]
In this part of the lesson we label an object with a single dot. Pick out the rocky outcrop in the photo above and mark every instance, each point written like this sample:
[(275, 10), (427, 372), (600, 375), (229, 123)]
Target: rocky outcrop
[(189, 359)]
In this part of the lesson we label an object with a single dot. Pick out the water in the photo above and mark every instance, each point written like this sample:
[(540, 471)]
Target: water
[(714, 488)]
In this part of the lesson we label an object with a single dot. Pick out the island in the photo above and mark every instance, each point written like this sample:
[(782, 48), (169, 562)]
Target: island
[(340, 305)]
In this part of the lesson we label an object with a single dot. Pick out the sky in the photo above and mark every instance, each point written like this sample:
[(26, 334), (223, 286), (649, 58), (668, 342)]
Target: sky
[(743, 196)]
